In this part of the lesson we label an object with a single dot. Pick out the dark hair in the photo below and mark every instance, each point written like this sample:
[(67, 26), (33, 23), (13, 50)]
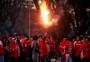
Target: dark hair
[(40, 36), (44, 38), (35, 37)]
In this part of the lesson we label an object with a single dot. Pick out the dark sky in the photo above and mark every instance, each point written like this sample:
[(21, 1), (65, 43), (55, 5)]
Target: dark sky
[(11, 18)]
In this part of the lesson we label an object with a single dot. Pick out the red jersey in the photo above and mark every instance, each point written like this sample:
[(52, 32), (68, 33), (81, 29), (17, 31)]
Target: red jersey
[(25, 46), (66, 47), (62, 46), (29, 42), (86, 49), (69, 47), (40, 41), (14, 50), (77, 47), (43, 49)]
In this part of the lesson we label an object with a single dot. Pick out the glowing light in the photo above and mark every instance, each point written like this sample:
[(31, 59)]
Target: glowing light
[(45, 15)]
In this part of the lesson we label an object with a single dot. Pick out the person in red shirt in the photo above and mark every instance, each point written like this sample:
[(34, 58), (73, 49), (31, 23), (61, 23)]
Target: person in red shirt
[(2, 52), (14, 51), (62, 46), (43, 51), (85, 56), (66, 47), (52, 47), (69, 48), (62, 49), (25, 49), (77, 49), (73, 51)]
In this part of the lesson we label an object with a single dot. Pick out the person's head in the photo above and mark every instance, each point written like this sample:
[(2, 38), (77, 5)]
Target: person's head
[(64, 38), (44, 38), (35, 38), (13, 40), (83, 39), (77, 38), (40, 36), (31, 38), (73, 40), (86, 39), (45, 34)]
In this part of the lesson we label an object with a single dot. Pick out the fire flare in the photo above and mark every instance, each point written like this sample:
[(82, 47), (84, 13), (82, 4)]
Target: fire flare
[(45, 15)]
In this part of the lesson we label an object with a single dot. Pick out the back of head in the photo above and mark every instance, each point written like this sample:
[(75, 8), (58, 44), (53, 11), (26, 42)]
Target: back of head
[(35, 38), (44, 38)]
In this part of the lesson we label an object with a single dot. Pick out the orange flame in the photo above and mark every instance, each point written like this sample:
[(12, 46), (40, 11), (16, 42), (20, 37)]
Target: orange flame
[(45, 15)]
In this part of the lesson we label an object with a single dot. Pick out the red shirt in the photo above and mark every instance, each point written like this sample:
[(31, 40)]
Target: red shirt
[(66, 47), (86, 49), (43, 49), (14, 50), (62, 46), (29, 42), (69, 47), (25, 46), (77, 47)]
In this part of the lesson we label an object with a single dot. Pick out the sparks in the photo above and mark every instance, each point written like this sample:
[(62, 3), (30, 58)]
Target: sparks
[(45, 15)]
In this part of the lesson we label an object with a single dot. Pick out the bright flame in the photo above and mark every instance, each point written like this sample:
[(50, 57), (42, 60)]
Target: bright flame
[(45, 15)]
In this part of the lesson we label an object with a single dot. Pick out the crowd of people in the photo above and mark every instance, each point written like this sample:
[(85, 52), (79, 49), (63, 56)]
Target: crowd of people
[(43, 48), (20, 48), (77, 50)]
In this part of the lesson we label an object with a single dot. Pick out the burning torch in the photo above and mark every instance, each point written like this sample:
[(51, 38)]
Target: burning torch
[(45, 15)]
